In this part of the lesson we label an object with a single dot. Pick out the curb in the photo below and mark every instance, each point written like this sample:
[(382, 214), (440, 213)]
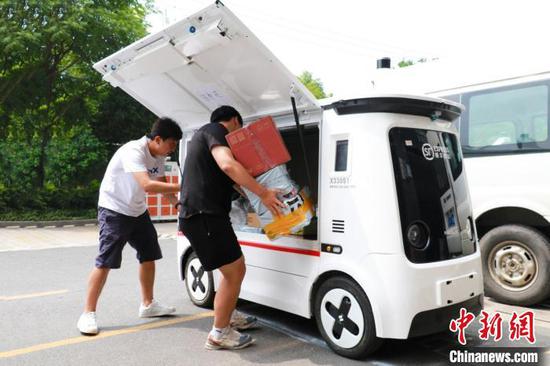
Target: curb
[(57, 223)]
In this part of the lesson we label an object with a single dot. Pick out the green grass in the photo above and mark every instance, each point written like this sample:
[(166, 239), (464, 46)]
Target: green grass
[(48, 215)]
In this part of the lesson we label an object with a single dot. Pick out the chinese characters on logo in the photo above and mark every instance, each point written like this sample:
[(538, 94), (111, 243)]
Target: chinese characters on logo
[(523, 326), (520, 326), (461, 324)]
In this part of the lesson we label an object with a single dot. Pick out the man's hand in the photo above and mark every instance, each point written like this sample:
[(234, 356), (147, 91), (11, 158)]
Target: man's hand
[(270, 200)]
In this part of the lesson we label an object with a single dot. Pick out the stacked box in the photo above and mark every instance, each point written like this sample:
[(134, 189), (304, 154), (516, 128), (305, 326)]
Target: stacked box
[(259, 146)]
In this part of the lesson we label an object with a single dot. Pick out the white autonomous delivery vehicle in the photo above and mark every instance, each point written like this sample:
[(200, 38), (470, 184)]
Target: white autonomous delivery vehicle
[(506, 144), (393, 252)]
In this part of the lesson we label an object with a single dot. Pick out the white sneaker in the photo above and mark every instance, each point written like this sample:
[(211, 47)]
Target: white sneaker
[(240, 321), (87, 323), (230, 339), (154, 309)]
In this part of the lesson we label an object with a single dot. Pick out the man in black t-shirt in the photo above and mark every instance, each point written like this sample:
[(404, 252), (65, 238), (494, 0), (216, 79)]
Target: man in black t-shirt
[(210, 171)]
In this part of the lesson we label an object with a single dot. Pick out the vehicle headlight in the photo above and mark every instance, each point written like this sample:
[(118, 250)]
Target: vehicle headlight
[(418, 234)]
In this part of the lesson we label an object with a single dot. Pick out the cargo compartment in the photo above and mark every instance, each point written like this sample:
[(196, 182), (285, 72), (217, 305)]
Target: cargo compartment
[(243, 216)]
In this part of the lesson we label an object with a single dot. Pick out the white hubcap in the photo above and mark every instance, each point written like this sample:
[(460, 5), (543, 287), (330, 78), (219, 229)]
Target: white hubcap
[(342, 318), (513, 266), (197, 280)]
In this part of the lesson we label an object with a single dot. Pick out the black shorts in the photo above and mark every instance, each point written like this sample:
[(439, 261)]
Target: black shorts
[(116, 229), (212, 238)]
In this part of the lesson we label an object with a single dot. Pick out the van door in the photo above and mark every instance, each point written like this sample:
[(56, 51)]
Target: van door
[(199, 63)]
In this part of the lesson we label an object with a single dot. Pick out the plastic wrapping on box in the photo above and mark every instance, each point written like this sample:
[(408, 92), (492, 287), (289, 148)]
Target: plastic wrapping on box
[(238, 213), (298, 211), (239, 216)]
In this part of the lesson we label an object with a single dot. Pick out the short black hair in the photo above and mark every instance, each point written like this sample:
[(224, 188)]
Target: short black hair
[(225, 113), (165, 128)]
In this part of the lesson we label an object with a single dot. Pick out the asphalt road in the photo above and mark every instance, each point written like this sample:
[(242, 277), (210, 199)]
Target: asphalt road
[(42, 294)]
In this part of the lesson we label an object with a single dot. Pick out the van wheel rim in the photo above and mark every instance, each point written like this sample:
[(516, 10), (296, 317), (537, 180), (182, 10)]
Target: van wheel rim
[(197, 280), (513, 265), (342, 318)]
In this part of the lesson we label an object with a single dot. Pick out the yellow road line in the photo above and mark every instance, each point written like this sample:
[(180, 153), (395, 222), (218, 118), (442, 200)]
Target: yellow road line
[(36, 294), (111, 333)]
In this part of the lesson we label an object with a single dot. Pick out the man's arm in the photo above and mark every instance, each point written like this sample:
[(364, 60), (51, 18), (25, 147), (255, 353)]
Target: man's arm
[(227, 163), (155, 186)]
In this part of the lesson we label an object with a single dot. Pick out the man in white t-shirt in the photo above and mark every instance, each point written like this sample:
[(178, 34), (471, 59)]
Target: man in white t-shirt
[(135, 168)]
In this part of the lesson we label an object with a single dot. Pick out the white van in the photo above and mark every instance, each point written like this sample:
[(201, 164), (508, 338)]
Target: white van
[(505, 137), (393, 252)]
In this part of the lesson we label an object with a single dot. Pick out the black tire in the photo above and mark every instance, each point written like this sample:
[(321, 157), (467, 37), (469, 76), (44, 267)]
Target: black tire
[(516, 265), (352, 338), (198, 283)]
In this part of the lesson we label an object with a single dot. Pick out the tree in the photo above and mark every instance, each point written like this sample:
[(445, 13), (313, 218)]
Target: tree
[(405, 63), (315, 86), (120, 118), (47, 85)]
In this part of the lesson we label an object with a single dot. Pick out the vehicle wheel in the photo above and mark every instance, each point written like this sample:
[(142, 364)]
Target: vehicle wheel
[(516, 265), (344, 318), (198, 282)]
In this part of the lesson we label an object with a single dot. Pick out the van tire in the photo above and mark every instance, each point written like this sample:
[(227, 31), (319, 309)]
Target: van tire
[(516, 265), (335, 298), (199, 283)]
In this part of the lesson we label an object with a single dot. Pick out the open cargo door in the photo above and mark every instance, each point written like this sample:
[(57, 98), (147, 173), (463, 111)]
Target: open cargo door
[(199, 63)]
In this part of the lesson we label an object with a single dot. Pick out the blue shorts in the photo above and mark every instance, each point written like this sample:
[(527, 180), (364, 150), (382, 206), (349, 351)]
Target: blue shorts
[(115, 230)]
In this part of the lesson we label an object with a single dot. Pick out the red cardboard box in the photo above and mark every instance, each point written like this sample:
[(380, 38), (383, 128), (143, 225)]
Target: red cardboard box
[(258, 146)]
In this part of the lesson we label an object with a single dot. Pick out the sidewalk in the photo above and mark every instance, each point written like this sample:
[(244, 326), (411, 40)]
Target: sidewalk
[(32, 238), (541, 311)]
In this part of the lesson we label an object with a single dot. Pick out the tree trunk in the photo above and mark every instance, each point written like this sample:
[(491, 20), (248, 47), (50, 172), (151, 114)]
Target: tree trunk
[(11, 85), (45, 134), (41, 168)]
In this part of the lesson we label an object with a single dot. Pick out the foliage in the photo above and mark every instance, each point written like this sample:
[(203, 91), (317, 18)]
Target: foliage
[(75, 158), (49, 215), (54, 138), (46, 79), (315, 86), (17, 163), (114, 125), (18, 198), (405, 63)]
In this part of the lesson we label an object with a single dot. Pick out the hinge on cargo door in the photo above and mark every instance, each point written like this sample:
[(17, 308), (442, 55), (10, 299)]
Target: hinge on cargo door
[(296, 93), (188, 59), (224, 31)]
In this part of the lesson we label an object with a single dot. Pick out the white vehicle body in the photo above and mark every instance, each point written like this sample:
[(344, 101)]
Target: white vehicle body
[(506, 143), (211, 58)]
